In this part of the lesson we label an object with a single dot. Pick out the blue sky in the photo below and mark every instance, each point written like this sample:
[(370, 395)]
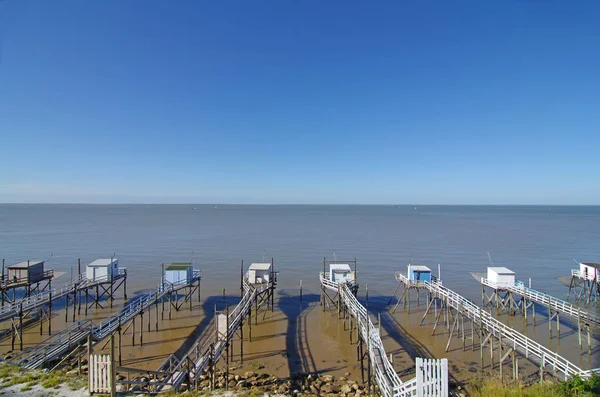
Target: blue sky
[(450, 102)]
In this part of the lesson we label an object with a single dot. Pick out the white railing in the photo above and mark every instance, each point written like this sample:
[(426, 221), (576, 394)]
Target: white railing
[(547, 300), (390, 384), (77, 333), (34, 301), (201, 355), (100, 373), (517, 341), (332, 285)]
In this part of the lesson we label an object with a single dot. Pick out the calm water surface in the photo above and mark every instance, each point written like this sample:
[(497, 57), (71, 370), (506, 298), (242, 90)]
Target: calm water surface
[(538, 242)]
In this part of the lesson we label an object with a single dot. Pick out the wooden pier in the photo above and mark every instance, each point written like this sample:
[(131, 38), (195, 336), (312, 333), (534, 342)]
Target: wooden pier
[(585, 283), (257, 288), (339, 272), (455, 310), (73, 341), (83, 290), (502, 298), (432, 375)]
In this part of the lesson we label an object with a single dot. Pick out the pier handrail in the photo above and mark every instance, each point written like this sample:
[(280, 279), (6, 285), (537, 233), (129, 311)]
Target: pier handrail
[(78, 332), (42, 298), (331, 285), (517, 341), (200, 355), (547, 300), (388, 381)]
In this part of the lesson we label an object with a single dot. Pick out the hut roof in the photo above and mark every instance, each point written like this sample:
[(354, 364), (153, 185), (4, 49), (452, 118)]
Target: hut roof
[(420, 268), (179, 266), (501, 270), (102, 262), (344, 267), (24, 264), (260, 266), (592, 264)]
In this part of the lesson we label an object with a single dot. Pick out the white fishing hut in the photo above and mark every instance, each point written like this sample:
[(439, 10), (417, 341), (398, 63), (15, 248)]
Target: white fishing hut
[(179, 273), (501, 276), (27, 271), (589, 271), (340, 273), (102, 269), (259, 273)]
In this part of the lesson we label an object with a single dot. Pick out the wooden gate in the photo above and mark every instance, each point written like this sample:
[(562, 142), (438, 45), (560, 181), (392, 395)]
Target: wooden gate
[(432, 377), (100, 370)]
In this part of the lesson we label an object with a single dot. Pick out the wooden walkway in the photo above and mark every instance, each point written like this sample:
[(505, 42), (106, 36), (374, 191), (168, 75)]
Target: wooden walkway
[(581, 315), (489, 327), (44, 298), (433, 383), (76, 335), (203, 356)]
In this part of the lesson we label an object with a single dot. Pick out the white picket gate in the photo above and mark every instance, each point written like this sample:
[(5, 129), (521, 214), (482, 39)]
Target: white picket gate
[(432, 377), (99, 373)]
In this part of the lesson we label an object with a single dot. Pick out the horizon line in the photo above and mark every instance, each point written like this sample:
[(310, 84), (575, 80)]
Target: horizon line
[(309, 204)]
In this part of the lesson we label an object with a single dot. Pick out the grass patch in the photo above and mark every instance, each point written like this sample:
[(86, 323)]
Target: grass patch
[(577, 387), (11, 375)]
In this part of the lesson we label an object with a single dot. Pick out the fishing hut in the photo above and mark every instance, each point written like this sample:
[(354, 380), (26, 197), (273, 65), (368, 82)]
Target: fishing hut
[(30, 276), (180, 277), (511, 296), (339, 273), (585, 282), (102, 269), (416, 279)]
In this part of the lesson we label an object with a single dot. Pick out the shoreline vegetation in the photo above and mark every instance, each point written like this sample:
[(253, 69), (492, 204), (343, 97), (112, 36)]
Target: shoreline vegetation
[(16, 381)]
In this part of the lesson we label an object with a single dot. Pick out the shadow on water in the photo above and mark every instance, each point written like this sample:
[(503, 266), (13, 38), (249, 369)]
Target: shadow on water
[(202, 331), (299, 357)]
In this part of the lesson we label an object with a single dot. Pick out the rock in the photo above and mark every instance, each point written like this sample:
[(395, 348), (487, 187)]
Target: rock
[(313, 389), (347, 374), (329, 388), (237, 378), (355, 386), (327, 378), (241, 383), (232, 383), (345, 389), (282, 389), (342, 379), (358, 393), (249, 374), (71, 372), (203, 377), (121, 388), (221, 379)]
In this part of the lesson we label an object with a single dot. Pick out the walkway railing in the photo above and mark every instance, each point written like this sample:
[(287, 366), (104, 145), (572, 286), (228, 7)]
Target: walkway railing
[(388, 381), (45, 297), (199, 357), (547, 300), (517, 341), (75, 335)]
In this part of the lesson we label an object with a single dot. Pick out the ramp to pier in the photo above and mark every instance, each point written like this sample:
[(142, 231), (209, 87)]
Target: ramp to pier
[(74, 336), (432, 375), (530, 349)]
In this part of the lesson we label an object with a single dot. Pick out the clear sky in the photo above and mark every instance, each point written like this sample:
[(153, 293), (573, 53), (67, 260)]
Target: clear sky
[(450, 102)]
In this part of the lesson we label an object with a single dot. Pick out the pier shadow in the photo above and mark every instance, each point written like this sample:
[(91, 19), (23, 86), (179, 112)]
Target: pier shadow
[(378, 305), (298, 353), (201, 332)]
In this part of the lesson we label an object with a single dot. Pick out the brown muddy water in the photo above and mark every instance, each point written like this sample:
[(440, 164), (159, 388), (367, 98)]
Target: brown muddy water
[(536, 242)]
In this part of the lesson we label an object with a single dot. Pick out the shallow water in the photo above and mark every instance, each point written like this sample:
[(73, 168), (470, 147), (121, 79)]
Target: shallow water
[(536, 242)]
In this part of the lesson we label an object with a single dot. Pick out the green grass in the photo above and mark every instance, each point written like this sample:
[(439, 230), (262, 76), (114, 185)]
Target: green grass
[(577, 387), (11, 375)]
